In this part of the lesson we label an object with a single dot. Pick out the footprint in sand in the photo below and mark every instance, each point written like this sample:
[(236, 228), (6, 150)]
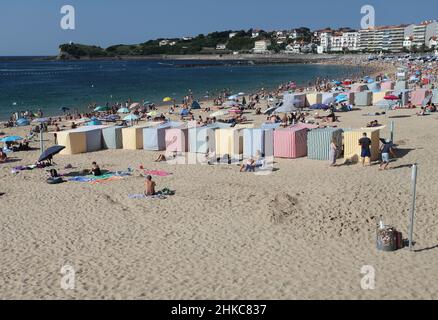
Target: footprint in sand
[(283, 206)]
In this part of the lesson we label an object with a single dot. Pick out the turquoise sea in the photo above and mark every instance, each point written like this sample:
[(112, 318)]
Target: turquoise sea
[(26, 84)]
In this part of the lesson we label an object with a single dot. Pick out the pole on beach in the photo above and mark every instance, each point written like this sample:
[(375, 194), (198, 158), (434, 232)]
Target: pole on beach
[(414, 193), (42, 138), (392, 131)]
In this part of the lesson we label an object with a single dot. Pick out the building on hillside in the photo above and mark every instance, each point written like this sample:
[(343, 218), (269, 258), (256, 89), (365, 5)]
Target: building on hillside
[(255, 34), (164, 42), (262, 46), (339, 41), (293, 48), (232, 35), (221, 46)]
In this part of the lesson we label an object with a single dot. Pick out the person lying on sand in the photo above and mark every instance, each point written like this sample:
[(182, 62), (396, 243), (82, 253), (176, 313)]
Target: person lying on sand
[(373, 124)]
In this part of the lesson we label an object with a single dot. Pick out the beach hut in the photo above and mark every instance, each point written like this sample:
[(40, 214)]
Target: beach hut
[(177, 139), (418, 96), (202, 139), (352, 149), (363, 98), (319, 140), (81, 140), (154, 137), (329, 97), (290, 143), (229, 141), (313, 98), (300, 100), (435, 96), (387, 86), (401, 85), (258, 142), (112, 137), (358, 87), (132, 137)]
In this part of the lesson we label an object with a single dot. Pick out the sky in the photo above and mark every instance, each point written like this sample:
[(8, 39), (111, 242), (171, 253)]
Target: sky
[(32, 27)]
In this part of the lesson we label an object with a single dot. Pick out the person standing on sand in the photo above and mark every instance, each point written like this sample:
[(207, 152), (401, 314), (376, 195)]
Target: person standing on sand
[(333, 152), (365, 144), (386, 149)]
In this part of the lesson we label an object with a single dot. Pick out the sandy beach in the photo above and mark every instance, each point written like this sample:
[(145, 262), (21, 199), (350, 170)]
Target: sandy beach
[(216, 238)]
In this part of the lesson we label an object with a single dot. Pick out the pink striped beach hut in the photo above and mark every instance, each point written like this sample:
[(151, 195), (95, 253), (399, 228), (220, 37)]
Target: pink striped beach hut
[(177, 139), (290, 143), (418, 96)]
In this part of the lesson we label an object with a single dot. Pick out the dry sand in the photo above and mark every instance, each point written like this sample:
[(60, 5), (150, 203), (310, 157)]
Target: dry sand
[(216, 239)]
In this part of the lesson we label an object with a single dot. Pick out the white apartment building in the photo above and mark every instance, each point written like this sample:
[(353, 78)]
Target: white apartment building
[(423, 32), (387, 38), (261, 46), (340, 41)]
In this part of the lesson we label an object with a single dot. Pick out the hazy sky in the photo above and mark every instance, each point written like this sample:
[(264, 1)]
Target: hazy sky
[(32, 27)]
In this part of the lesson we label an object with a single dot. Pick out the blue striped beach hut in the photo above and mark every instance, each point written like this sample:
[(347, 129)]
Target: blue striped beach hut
[(318, 142), (112, 137), (258, 141)]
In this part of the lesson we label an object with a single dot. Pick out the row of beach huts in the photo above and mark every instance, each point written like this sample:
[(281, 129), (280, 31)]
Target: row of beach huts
[(239, 142), (369, 94)]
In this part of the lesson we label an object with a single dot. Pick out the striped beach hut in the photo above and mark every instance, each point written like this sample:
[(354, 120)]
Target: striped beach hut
[(363, 99), (177, 139), (112, 137), (258, 142), (290, 143), (319, 140), (132, 137), (154, 138)]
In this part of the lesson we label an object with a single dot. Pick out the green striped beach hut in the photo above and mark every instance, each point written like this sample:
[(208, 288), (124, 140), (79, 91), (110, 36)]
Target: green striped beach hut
[(318, 142)]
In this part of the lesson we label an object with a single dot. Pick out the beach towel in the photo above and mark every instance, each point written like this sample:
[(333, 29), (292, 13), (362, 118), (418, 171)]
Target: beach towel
[(157, 173), (111, 176), (143, 196)]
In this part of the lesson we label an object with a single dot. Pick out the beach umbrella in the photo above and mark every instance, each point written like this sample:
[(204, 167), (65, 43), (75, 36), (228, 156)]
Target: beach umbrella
[(50, 152), (233, 97), (341, 97), (229, 104), (11, 139), (167, 99), (123, 110), (131, 117), (235, 111), (94, 122), (146, 103), (241, 94), (101, 108), (134, 105), (219, 113), (152, 114), (110, 118), (184, 112), (40, 120), (319, 106), (286, 109), (391, 97), (270, 110), (22, 122), (82, 120)]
